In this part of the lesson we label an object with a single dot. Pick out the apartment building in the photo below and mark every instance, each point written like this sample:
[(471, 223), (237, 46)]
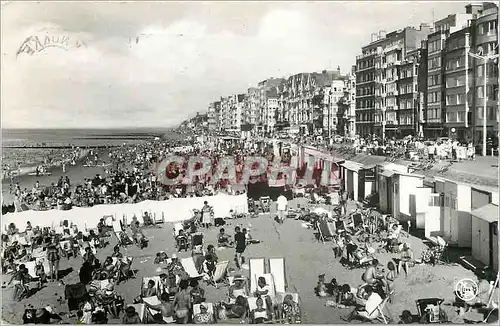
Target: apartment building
[(485, 42), (264, 106), (218, 115), (397, 82), (347, 106), (212, 120), (366, 83), (435, 112), (458, 77)]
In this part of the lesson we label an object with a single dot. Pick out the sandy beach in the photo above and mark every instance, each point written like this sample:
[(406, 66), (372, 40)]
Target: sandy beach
[(305, 259)]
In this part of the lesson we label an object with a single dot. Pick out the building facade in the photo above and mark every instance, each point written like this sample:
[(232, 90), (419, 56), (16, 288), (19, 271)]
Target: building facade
[(485, 43)]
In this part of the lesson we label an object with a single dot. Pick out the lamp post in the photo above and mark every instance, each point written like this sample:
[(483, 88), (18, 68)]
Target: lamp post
[(485, 59)]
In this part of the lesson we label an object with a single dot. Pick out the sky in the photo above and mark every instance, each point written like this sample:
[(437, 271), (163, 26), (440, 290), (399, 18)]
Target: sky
[(154, 64)]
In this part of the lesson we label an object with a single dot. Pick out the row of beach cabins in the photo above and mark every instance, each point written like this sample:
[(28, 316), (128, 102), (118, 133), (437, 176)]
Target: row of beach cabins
[(465, 215)]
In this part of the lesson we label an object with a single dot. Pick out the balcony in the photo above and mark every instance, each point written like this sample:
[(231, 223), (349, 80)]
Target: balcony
[(393, 93)]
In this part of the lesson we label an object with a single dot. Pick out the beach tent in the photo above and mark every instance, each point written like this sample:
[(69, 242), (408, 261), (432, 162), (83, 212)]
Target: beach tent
[(177, 209)]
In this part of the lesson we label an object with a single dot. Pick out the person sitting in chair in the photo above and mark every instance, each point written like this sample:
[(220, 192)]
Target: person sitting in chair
[(181, 240), (223, 238), (150, 290), (370, 309), (263, 291), (371, 275), (117, 253), (197, 293), (259, 315), (109, 268), (204, 316), (147, 219), (237, 289), (89, 256), (291, 309)]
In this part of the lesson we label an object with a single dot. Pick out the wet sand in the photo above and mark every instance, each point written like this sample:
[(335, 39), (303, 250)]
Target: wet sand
[(305, 259)]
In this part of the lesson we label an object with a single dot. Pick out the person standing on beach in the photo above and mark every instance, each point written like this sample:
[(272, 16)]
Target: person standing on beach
[(282, 203), (53, 259), (241, 244)]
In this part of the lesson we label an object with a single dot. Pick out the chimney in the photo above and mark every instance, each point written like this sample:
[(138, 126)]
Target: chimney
[(382, 34), (338, 68), (374, 37), (323, 72)]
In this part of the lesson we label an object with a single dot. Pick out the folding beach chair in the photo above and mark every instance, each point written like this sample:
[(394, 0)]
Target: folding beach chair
[(154, 301), (190, 268), (220, 273), (210, 309), (141, 310), (325, 230), (277, 269), (158, 219), (196, 240), (281, 315), (66, 248), (120, 234), (256, 267), (177, 228), (145, 282), (381, 316)]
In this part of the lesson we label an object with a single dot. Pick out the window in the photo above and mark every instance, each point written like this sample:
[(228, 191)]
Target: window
[(480, 30), (461, 117), (480, 71), (480, 92), (434, 201), (492, 27), (409, 88), (479, 112), (492, 48), (451, 116), (492, 113)]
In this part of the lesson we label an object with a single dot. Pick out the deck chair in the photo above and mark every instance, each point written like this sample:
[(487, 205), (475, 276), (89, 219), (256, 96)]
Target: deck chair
[(210, 309), (196, 239), (158, 219), (277, 269), (189, 267), (256, 267), (177, 228), (381, 316), (220, 272), (140, 308), (326, 232), (252, 303), (66, 248), (280, 299), (31, 267), (145, 281), (154, 301)]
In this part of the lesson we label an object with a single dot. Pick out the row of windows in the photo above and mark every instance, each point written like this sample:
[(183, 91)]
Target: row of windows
[(364, 116), (491, 92), (407, 89), (435, 45), (365, 77), (488, 28), (365, 104), (455, 99), (434, 63), (433, 97), (491, 113), (365, 64), (434, 80), (491, 71), (366, 91)]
